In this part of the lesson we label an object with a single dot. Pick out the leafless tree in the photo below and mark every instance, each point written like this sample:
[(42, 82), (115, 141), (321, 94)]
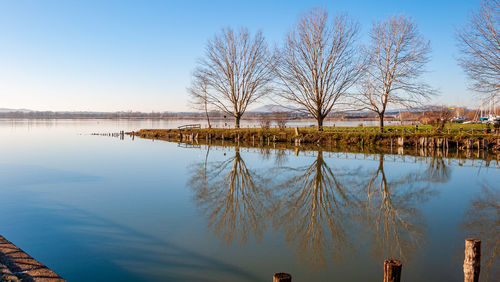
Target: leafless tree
[(265, 122), (437, 116), (198, 92), (237, 71), (479, 43), (395, 60), (317, 64), (281, 118)]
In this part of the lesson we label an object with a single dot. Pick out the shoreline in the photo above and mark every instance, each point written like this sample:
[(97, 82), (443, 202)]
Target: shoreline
[(396, 136), (305, 149)]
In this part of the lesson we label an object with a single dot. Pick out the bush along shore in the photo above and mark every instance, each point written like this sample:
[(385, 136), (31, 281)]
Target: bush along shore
[(461, 138)]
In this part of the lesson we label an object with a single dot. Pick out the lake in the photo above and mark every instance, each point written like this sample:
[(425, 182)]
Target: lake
[(97, 208)]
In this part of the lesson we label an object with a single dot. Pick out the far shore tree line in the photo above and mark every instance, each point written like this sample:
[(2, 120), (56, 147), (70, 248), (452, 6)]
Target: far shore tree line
[(320, 68)]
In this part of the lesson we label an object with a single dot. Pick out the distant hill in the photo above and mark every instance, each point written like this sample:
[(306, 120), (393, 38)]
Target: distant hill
[(5, 110), (273, 108)]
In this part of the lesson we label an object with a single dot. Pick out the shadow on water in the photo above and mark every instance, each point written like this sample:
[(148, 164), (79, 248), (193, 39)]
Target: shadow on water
[(145, 258), (319, 209)]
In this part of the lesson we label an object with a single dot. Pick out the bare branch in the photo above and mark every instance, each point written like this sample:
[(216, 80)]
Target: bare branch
[(237, 71), (395, 60), (479, 44), (317, 65), (198, 92)]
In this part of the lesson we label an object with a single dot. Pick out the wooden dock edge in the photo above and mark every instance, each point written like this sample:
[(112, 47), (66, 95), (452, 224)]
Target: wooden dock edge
[(16, 265)]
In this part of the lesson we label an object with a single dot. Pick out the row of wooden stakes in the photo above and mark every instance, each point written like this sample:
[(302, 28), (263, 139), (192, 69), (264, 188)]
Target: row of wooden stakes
[(393, 267)]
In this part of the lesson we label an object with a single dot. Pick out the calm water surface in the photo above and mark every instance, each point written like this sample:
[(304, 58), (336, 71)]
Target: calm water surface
[(97, 208)]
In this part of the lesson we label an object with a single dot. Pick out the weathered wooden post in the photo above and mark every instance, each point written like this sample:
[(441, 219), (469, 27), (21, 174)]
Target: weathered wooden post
[(472, 260), (469, 144), (282, 277), (392, 270), (439, 142), (401, 141)]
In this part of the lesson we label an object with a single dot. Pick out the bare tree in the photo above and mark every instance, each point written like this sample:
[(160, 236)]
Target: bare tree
[(198, 92), (281, 118), (265, 122), (479, 44), (237, 71), (395, 59), (437, 116), (317, 65)]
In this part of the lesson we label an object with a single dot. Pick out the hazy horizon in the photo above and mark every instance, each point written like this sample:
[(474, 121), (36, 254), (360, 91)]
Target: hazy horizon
[(138, 56)]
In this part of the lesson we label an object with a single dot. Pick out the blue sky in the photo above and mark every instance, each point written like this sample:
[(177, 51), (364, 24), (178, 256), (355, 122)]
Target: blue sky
[(138, 55)]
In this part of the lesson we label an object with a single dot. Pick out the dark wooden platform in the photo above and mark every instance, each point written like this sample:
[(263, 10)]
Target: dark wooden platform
[(16, 265)]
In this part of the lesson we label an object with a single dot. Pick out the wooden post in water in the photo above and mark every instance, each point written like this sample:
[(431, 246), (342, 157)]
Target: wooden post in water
[(472, 260), (392, 270), (282, 277)]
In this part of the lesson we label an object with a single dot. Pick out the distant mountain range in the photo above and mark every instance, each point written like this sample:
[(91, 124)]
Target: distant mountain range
[(273, 108), (270, 108), (278, 108), (5, 110)]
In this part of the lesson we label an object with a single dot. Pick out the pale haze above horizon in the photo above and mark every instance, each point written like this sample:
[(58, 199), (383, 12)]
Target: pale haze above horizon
[(139, 55)]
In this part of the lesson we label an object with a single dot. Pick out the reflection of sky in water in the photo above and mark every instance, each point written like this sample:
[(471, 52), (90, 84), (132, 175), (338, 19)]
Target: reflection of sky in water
[(149, 210)]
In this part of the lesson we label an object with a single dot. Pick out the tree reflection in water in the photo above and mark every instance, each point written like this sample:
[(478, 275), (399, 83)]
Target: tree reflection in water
[(389, 213), (482, 221), (438, 171), (314, 202), (232, 197), (319, 209)]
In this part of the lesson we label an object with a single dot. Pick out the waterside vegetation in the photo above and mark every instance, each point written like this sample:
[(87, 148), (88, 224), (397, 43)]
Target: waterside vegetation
[(460, 136)]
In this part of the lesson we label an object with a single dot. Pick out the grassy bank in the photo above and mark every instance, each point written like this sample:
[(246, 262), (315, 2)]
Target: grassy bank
[(461, 136)]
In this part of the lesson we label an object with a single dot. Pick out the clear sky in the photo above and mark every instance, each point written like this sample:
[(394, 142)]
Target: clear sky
[(111, 55)]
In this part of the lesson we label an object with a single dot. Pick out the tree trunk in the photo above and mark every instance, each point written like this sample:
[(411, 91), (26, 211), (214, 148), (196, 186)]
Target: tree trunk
[(320, 123), (208, 119), (237, 121), (381, 122)]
